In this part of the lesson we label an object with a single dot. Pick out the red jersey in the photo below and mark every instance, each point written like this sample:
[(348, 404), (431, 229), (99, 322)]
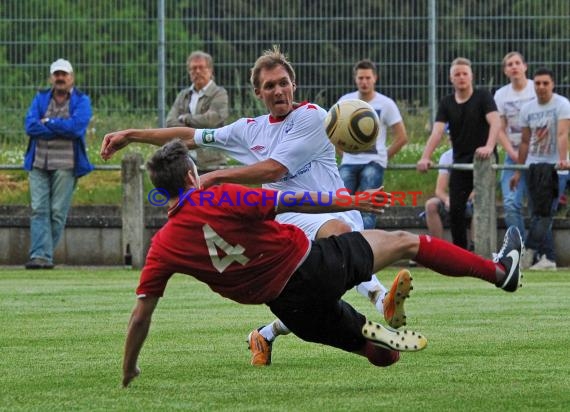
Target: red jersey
[(226, 237)]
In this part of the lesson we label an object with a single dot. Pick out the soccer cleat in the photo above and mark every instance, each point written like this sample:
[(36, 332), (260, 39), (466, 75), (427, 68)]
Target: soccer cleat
[(510, 256), (543, 264), (393, 302), (260, 349), (401, 341)]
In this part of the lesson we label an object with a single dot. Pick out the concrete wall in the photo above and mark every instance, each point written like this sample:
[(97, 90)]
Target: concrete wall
[(93, 235)]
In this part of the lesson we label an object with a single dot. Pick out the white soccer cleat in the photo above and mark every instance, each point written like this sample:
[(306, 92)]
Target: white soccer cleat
[(398, 340)]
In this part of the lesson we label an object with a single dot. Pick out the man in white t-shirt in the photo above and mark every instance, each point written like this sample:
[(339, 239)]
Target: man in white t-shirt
[(509, 99), (286, 150), (544, 140), (361, 171)]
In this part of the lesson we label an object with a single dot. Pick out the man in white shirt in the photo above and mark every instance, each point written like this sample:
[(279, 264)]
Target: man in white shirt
[(361, 171), (509, 99), (544, 140)]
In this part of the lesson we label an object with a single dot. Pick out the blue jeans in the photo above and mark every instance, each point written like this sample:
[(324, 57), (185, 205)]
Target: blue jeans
[(513, 200), (50, 192), (359, 177)]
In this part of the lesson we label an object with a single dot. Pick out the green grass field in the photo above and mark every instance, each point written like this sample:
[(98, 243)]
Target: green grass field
[(62, 334)]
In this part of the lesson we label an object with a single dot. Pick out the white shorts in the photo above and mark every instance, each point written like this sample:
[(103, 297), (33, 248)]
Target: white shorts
[(311, 223)]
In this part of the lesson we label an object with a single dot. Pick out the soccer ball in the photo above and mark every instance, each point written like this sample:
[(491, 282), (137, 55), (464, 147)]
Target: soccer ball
[(352, 125)]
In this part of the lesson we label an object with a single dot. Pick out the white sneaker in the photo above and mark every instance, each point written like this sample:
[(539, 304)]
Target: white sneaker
[(543, 264), (527, 258)]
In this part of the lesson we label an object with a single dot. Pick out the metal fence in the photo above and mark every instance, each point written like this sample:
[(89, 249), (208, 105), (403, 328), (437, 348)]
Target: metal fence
[(129, 55)]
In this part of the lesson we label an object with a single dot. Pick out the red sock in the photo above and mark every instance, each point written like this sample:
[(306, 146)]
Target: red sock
[(450, 260)]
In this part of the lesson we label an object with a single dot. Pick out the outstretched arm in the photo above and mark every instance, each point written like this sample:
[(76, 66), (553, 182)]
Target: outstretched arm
[(115, 141), (266, 171), (369, 201), (136, 335)]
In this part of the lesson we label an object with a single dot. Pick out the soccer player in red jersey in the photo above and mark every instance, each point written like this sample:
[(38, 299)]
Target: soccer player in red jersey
[(226, 237)]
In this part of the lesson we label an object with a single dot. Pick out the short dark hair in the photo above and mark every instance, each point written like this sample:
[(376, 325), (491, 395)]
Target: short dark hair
[(364, 64), (168, 167), (544, 71)]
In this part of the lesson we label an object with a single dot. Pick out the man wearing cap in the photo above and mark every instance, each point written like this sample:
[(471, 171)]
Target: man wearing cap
[(56, 123)]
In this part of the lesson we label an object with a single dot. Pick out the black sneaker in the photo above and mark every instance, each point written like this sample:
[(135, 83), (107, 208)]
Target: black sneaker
[(39, 263), (509, 256)]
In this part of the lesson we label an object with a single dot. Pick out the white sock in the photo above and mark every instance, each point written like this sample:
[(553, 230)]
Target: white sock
[(372, 286), (274, 329)]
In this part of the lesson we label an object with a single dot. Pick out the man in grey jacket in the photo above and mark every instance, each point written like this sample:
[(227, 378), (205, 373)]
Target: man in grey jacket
[(203, 105)]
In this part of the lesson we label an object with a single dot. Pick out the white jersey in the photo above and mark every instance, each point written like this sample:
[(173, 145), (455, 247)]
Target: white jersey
[(446, 158), (389, 115), (509, 102), (542, 119), (299, 143)]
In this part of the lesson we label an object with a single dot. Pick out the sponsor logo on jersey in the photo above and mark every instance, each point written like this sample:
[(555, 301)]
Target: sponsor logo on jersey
[(257, 148), (208, 136), (288, 126), (302, 171)]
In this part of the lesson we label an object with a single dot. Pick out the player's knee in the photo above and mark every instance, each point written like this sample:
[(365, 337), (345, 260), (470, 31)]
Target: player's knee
[(432, 206), (333, 227)]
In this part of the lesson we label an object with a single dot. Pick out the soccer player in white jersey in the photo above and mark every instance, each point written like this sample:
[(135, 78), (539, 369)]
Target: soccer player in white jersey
[(286, 150)]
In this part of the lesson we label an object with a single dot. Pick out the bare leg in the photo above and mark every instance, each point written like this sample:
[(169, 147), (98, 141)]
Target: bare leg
[(433, 219)]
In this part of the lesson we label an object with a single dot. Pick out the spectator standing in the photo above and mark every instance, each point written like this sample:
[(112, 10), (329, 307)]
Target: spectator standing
[(56, 124), (509, 99), (361, 171), (544, 144), (473, 127), (203, 105)]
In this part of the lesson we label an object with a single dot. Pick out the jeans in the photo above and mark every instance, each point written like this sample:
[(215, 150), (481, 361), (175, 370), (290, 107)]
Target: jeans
[(51, 192), (359, 177), (513, 199), (540, 236), (547, 247)]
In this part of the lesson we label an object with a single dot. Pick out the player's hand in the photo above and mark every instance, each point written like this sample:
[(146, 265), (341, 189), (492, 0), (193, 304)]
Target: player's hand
[(563, 165), (113, 142), (423, 165), (373, 200), (209, 179), (483, 152), (128, 376)]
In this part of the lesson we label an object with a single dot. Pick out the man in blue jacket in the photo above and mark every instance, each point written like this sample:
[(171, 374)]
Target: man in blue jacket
[(56, 123)]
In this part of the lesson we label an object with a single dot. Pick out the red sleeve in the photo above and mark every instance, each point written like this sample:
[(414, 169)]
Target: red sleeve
[(153, 278)]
